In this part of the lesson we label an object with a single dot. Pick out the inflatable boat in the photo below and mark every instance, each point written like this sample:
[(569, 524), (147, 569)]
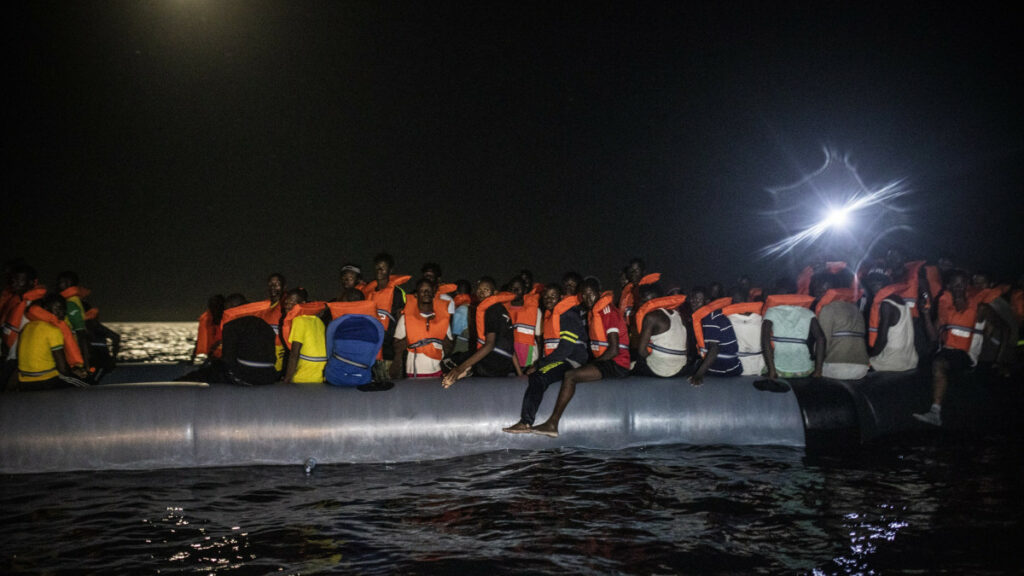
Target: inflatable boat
[(130, 425)]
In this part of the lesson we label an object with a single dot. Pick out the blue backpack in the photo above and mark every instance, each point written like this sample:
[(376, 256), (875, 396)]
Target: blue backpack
[(353, 342)]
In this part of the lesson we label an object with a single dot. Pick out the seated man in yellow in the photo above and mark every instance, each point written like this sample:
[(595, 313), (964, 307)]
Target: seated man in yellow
[(304, 335), (42, 364)]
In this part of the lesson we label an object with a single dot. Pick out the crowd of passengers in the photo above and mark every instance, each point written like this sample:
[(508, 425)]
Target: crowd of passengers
[(890, 315)]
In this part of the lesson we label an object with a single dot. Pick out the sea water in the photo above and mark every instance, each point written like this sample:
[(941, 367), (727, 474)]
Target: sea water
[(930, 502)]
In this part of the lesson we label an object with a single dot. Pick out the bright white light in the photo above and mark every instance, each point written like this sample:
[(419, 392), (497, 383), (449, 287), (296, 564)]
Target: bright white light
[(837, 217)]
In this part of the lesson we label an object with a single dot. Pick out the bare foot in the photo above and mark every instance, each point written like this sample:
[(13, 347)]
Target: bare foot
[(546, 429), (518, 428)]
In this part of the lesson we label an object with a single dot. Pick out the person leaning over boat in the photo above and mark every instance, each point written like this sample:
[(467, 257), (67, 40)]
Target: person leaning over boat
[(495, 354), (609, 350), (565, 348), (304, 335), (788, 333), (386, 293), (47, 349), (714, 336), (662, 346), (423, 333)]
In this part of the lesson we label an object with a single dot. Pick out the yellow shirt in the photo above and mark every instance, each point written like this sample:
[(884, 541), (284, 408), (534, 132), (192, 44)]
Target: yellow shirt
[(311, 333), (36, 345)]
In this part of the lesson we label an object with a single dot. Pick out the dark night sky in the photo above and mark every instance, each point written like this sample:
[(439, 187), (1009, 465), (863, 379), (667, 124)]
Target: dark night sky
[(171, 149)]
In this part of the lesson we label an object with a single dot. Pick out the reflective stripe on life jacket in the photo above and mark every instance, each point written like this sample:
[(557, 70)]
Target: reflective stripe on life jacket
[(71, 350), (524, 320), (957, 326), (700, 314), (384, 299), (481, 310), (552, 323)]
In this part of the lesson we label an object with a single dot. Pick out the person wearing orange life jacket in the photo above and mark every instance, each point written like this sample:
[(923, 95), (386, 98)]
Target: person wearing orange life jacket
[(714, 336), (788, 333), (525, 312), (662, 346), (208, 336), (529, 286), (432, 271), (609, 347), (423, 333), (571, 283), (67, 286), (846, 354), (635, 273), (304, 335), (492, 328), (891, 345), (565, 348), (745, 317), (351, 278), (271, 313), (957, 313), (47, 349), (390, 301)]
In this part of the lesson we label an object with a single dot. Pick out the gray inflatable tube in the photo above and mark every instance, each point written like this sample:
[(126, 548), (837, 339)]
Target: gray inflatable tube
[(180, 426)]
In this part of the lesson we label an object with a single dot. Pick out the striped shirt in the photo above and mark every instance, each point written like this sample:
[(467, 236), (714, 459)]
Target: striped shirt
[(717, 328)]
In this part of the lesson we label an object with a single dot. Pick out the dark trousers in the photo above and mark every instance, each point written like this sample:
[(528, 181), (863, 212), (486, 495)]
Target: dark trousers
[(539, 381)]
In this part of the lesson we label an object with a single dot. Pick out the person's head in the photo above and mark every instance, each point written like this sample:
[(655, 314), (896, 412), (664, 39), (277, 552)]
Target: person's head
[(697, 297), (590, 291), (571, 283), (715, 290), (980, 280), (352, 295), (944, 263), (66, 279), (527, 277), (22, 279), (635, 270), (739, 293), (382, 265), (293, 297), (432, 272), (425, 291), (275, 286), (54, 304), (462, 286), (743, 283), (650, 292), (517, 287), (876, 280), (233, 300), (485, 288), (895, 258), (623, 277), (350, 274), (820, 283), (957, 282), (551, 296)]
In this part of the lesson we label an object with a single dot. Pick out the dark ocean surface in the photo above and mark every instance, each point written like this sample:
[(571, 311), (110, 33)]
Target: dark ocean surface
[(934, 502)]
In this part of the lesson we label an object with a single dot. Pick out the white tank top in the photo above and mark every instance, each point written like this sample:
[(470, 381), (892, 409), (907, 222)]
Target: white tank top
[(748, 336), (899, 354), (668, 349)]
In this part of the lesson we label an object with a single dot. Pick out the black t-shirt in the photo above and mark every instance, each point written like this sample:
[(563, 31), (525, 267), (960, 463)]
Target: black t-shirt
[(499, 361)]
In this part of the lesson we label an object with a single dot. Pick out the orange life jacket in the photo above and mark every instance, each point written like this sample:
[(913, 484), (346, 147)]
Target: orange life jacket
[(462, 300), (71, 350), (596, 329), (700, 314), (445, 289), (788, 300), (339, 309), (835, 295), (957, 326), (662, 303), (875, 315), (524, 320), (1017, 304), (630, 293), (552, 322), (257, 309), (481, 309), (426, 336), (6, 297), (72, 291), (384, 298), (16, 313), (537, 290), (208, 334), (744, 308), (92, 313), (754, 294), (306, 309), (910, 293)]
